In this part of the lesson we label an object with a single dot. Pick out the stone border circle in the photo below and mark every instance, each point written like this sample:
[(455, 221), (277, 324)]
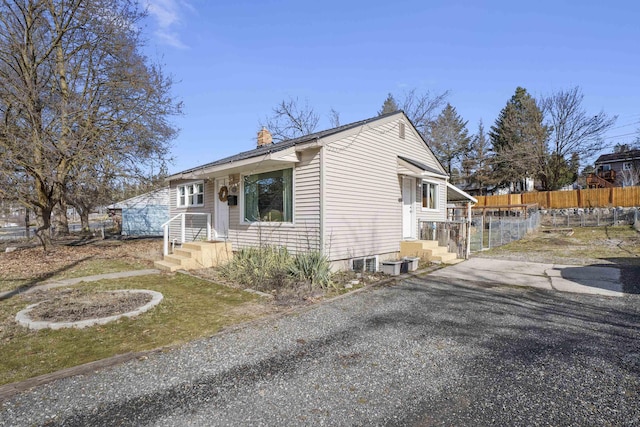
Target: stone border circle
[(23, 316)]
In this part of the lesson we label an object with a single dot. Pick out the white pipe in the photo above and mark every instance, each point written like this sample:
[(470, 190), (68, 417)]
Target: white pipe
[(468, 230)]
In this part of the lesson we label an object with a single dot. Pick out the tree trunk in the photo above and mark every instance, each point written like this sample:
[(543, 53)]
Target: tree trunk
[(43, 230), (26, 224), (84, 219), (61, 223)]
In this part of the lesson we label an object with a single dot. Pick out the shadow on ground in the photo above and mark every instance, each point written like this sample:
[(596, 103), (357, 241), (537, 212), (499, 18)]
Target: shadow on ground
[(522, 353)]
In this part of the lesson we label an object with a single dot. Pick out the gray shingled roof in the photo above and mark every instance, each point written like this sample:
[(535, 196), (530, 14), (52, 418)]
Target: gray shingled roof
[(279, 146), (619, 157)]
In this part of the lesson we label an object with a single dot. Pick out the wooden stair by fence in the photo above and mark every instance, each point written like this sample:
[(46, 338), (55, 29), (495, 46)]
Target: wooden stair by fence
[(428, 250), (593, 180), (194, 255)]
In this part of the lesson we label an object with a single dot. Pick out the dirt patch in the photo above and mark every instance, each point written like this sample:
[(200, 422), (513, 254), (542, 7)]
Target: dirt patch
[(72, 305), (300, 294)]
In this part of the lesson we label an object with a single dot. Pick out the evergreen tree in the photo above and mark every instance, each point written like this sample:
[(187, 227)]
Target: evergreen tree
[(449, 138), (519, 140), (478, 160), (389, 105)]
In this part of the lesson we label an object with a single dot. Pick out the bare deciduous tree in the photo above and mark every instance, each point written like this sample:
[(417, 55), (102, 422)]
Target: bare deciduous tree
[(74, 91), (573, 132), (334, 118), (422, 108), (291, 119), (630, 177)]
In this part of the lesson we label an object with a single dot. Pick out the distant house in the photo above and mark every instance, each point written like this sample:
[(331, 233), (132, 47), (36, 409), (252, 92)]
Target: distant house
[(354, 192), (616, 170), (142, 215)]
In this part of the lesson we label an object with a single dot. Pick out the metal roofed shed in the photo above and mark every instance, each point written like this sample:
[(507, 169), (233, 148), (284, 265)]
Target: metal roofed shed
[(142, 215)]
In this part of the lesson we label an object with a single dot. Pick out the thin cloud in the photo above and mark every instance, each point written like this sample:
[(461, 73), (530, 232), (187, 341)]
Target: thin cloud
[(168, 15)]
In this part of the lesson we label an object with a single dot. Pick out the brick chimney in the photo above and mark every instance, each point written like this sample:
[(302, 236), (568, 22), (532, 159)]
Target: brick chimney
[(264, 137)]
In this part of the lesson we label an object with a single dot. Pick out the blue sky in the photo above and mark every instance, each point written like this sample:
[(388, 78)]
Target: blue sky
[(232, 62)]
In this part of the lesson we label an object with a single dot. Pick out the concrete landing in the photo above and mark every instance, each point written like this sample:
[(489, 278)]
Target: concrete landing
[(595, 280)]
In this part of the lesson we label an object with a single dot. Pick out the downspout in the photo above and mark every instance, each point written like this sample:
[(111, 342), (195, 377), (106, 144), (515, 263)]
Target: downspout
[(468, 231), (321, 238)]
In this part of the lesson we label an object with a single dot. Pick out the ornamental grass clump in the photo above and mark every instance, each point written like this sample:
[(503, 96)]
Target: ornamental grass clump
[(264, 268), (271, 268), (313, 268)]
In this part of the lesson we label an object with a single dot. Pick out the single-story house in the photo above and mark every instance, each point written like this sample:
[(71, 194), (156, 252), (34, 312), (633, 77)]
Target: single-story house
[(142, 215), (353, 192)]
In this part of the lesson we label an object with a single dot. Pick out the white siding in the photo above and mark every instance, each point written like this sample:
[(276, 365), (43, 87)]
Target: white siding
[(196, 226), (363, 192), (430, 215), (301, 236)]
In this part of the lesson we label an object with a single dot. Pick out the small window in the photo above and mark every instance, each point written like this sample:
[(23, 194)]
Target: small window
[(627, 166), (268, 196), (191, 194), (369, 264), (429, 195), (401, 130)]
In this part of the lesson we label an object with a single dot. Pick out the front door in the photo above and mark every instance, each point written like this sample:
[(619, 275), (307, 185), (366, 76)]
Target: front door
[(221, 210), (408, 208)]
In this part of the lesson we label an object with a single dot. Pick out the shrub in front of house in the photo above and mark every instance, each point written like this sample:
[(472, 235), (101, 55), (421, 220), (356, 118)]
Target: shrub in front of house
[(270, 268), (312, 268)]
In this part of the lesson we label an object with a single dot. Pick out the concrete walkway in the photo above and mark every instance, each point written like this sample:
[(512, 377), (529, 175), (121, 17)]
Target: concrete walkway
[(74, 281), (595, 280)]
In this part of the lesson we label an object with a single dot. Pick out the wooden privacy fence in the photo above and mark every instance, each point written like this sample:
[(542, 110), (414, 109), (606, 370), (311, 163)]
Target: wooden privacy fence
[(586, 198)]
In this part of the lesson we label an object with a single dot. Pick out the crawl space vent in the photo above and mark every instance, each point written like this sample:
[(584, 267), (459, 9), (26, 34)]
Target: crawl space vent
[(369, 264)]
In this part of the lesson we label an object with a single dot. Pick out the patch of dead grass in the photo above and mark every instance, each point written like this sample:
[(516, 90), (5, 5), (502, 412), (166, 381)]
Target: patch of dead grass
[(75, 258), (587, 245)]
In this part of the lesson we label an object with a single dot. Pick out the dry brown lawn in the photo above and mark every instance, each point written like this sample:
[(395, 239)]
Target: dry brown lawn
[(29, 265)]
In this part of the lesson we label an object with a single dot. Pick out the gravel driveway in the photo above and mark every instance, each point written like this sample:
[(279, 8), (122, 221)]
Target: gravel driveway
[(424, 352)]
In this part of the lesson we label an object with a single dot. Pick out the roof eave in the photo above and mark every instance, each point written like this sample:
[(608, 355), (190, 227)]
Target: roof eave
[(277, 158), (463, 196)]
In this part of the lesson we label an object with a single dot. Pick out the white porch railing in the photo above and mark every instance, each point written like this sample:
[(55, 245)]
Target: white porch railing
[(180, 221)]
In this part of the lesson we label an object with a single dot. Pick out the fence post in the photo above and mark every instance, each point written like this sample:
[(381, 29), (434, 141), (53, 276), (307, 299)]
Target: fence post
[(489, 240)]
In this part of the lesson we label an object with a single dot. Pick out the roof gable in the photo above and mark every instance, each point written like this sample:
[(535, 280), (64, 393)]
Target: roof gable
[(267, 151)]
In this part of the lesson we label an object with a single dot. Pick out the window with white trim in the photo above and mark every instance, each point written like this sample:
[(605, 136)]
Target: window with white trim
[(191, 194), (627, 166), (268, 196), (429, 195)]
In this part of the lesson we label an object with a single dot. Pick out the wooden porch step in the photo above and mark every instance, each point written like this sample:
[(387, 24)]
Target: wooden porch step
[(428, 250), (194, 255), (167, 266), (444, 258)]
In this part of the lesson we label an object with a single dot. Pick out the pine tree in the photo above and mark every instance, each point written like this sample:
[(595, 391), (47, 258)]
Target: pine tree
[(389, 105), (449, 138), (478, 160), (519, 140)]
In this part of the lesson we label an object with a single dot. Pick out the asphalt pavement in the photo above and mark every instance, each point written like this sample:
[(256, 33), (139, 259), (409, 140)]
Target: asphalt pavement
[(427, 351)]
